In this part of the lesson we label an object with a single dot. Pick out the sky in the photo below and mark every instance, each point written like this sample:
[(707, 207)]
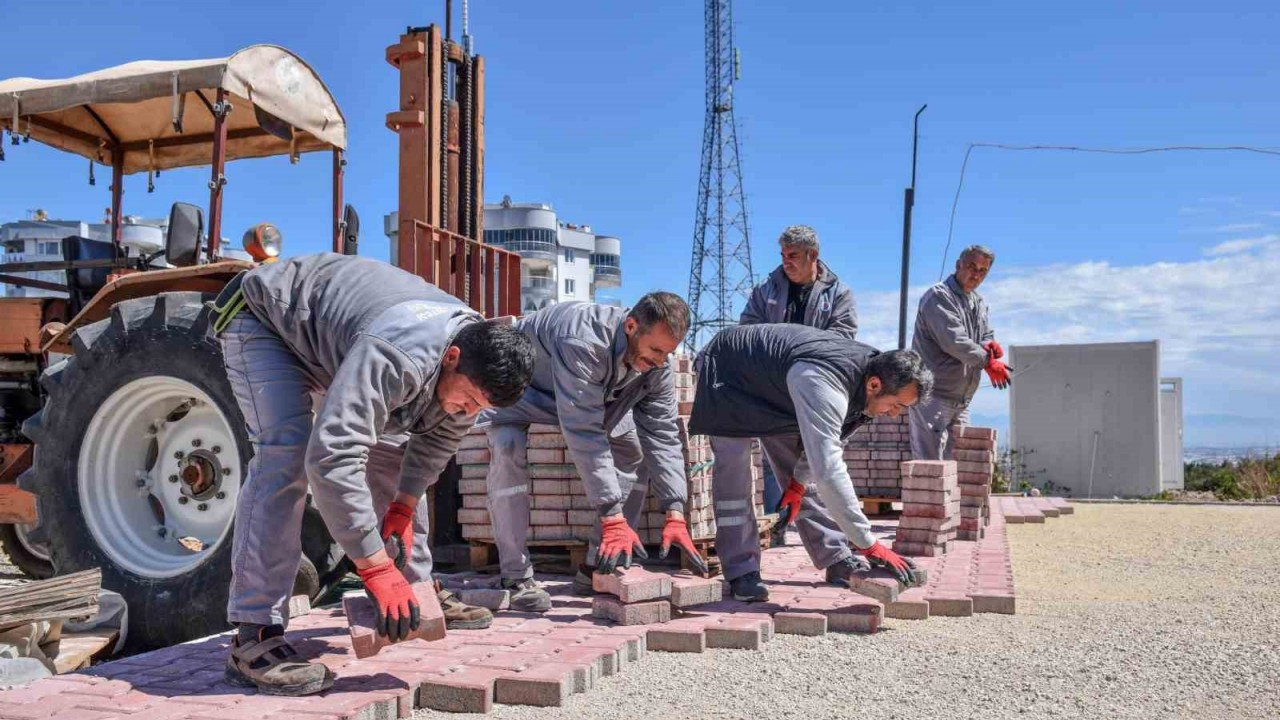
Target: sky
[(597, 108)]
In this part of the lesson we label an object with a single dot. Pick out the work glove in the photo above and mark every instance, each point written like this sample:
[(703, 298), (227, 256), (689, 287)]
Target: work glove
[(676, 531), (880, 555), (789, 505), (617, 542), (999, 373), (398, 524), (393, 600), (994, 349)]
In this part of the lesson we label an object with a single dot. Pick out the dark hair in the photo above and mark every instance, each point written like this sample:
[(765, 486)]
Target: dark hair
[(900, 368), (497, 358), (664, 307)]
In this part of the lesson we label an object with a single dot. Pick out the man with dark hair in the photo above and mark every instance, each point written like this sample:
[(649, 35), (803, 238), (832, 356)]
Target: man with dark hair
[(804, 291), (601, 374), (954, 336), (387, 354), (767, 380)]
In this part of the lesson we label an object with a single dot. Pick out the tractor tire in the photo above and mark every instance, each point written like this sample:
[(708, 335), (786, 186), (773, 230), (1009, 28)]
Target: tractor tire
[(31, 557)]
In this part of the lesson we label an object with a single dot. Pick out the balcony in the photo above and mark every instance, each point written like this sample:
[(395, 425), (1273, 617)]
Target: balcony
[(536, 247), (607, 276)]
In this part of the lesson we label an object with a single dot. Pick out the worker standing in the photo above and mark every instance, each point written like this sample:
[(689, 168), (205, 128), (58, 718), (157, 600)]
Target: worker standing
[(804, 291), (601, 374), (772, 380), (390, 354), (954, 337)]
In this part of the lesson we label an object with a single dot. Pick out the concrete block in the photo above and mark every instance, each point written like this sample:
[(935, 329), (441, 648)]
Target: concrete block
[(491, 598), (677, 638), (931, 511), (976, 432), (688, 590), (974, 456), (736, 633), (927, 497), (608, 607), (555, 518), (362, 618), (473, 487), (466, 457), (546, 684), (975, 468), (473, 517), (299, 605), (632, 585), (855, 619), (552, 502), (950, 605), (915, 608), (469, 690), (994, 603), (552, 487), (926, 482), (884, 590), (928, 468), (925, 523), (800, 623), (550, 456)]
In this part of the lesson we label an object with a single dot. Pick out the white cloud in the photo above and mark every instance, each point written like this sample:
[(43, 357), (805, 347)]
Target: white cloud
[(1231, 247), (1238, 227), (1217, 320)]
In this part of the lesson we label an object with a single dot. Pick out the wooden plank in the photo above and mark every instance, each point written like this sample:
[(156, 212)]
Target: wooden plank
[(17, 506), (75, 650), (63, 597)]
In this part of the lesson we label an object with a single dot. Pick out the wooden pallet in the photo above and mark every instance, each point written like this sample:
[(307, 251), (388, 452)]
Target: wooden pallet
[(872, 506), (559, 556)]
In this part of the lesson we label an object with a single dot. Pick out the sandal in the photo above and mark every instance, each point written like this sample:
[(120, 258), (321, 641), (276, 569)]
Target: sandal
[(270, 665)]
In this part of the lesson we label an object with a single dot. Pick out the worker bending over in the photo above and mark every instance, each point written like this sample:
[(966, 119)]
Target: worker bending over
[(601, 374), (769, 380), (387, 354)]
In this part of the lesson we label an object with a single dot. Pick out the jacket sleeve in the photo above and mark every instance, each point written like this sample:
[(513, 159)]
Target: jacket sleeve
[(988, 333), (374, 378), (426, 454), (946, 324), (655, 418), (844, 313), (754, 312), (580, 407), (820, 402)]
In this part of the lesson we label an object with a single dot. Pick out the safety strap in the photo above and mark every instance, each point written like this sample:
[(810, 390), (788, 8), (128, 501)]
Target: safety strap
[(228, 304)]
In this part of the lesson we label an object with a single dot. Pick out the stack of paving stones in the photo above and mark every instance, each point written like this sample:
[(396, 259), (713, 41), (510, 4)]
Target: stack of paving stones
[(874, 455), (522, 659), (975, 456), (1021, 509), (930, 508), (559, 508), (636, 596)]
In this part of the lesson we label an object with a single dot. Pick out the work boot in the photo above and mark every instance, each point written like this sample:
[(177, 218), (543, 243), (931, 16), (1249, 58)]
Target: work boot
[(840, 572), (261, 658), (778, 535), (582, 584), (749, 588), (526, 596), (459, 615)]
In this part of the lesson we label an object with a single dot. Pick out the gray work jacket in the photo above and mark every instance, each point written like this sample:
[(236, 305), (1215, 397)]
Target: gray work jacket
[(951, 327), (370, 336), (579, 365), (831, 304)]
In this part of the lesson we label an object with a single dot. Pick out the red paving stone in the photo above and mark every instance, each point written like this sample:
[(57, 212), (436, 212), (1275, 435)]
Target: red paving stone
[(524, 659)]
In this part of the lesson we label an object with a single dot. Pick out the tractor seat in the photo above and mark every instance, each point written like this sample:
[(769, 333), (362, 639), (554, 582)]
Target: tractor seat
[(83, 284)]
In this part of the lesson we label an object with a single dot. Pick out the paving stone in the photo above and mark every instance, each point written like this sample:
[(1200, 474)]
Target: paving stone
[(736, 633), (676, 638), (993, 603), (491, 598), (688, 590), (469, 690), (544, 685), (884, 590), (950, 605), (362, 618), (608, 607), (928, 468), (800, 623), (855, 618), (632, 585)]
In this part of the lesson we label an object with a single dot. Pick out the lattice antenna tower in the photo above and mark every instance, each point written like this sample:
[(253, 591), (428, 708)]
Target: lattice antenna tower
[(721, 268)]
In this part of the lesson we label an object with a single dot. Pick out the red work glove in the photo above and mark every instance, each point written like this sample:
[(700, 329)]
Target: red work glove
[(994, 349), (999, 373), (789, 506), (393, 600), (398, 523), (676, 531), (881, 556), (617, 542)]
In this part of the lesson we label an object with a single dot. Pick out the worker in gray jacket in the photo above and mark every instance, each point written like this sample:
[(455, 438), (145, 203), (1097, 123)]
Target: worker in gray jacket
[(955, 338), (804, 291), (388, 354), (601, 374), (769, 380)]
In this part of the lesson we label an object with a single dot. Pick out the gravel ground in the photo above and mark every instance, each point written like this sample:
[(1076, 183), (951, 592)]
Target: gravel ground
[(1124, 611)]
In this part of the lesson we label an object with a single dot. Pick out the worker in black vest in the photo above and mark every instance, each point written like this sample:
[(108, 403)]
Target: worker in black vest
[(766, 380)]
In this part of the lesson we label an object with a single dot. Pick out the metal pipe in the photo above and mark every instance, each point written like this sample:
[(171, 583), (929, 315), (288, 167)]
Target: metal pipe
[(908, 202), (339, 229), (217, 179), (117, 194)]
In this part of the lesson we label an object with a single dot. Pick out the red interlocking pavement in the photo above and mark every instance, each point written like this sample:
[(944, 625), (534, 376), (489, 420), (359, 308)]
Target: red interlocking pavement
[(523, 659)]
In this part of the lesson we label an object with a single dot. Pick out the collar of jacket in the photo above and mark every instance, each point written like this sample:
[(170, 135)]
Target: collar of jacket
[(825, 277), (954, 285), (620, 349)]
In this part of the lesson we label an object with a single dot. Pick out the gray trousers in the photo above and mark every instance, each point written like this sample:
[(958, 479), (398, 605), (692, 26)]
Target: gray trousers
[(276, 396), (822, 537), (737, 534), (932, 423), (509, 489)]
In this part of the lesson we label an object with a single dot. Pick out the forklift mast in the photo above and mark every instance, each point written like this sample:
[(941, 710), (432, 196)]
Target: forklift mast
[(441, 209)]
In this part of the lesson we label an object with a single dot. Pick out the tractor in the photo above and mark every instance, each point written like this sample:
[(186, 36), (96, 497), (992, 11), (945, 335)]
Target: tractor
[(117, 414)]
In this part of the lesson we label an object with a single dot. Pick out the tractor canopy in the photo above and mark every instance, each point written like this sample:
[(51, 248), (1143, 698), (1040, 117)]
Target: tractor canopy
[(161, 114)]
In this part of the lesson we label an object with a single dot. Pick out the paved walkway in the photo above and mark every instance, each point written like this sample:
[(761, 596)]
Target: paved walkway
[(522, 659)]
